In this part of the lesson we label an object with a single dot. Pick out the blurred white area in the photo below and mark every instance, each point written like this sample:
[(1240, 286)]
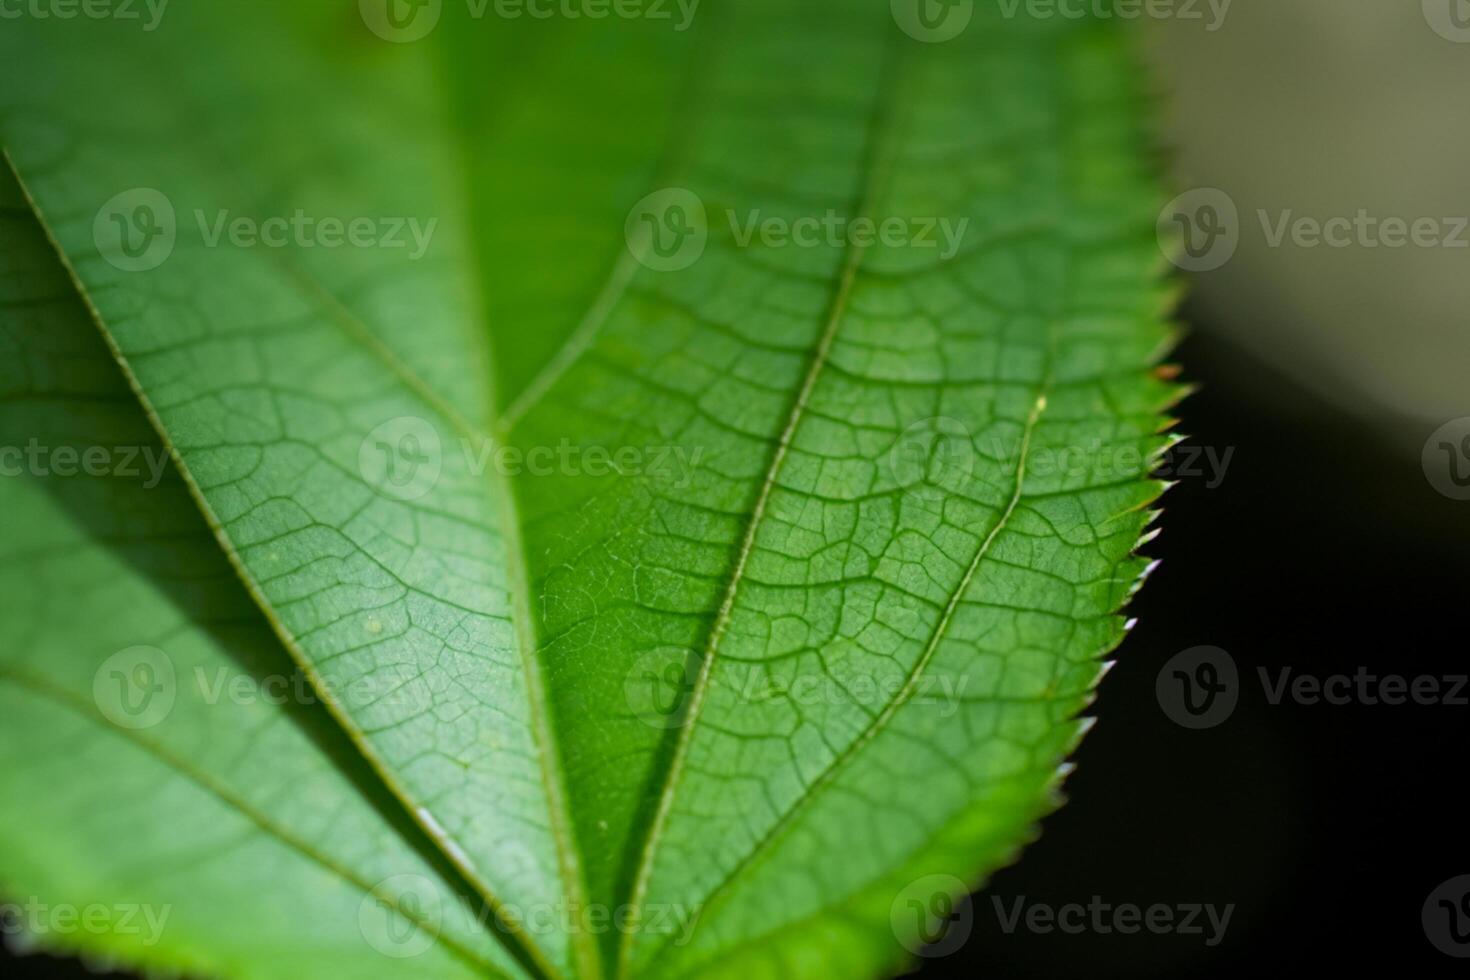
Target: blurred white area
[(1323, 108)]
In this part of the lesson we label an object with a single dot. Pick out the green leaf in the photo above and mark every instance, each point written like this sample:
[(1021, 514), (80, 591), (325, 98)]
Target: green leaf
[(223, 821), (714, 605)]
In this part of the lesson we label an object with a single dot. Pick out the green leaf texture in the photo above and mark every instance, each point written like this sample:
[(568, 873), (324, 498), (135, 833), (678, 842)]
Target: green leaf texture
[(642, 618)]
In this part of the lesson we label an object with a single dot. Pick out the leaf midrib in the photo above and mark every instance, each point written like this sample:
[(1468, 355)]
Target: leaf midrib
[(763, 847), (877, 163)]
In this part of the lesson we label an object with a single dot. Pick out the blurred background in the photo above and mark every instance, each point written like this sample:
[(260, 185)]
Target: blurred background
[(1322, 109), (1323, 545)]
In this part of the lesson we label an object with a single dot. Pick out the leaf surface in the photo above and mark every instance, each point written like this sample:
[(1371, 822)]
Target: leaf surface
[(751, 594), (162, 754)]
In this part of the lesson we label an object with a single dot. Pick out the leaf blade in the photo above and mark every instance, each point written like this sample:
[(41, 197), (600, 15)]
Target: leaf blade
[(231, 767), (591, 574), (268, 446)]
